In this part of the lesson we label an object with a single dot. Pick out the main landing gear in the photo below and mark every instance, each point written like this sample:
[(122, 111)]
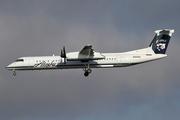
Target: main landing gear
[(14, 72), (87, 70)]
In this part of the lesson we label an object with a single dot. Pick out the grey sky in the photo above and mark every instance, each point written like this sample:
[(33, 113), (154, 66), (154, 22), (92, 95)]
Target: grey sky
[(33, 28)]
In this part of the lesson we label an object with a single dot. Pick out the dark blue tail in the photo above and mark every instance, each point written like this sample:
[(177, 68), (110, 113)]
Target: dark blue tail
[(161, 40)]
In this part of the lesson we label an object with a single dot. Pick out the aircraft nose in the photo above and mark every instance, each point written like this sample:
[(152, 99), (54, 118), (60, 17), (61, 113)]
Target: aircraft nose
[(10, 67), (7, 67)]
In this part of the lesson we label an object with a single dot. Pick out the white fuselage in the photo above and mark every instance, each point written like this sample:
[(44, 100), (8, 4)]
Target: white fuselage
[(87, 58), (110, 60)]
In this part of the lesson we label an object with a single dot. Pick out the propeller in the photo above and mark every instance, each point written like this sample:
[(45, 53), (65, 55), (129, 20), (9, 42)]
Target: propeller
[(63, 54)]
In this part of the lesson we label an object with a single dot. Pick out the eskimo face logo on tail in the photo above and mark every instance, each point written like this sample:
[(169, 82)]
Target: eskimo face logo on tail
[(161, 44)]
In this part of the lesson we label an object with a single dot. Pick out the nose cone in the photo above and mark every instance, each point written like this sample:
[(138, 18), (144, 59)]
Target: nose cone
[(10, 67)]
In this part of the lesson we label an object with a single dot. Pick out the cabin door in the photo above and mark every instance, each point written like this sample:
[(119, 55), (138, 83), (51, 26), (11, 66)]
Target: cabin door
[(31, 62), (118, 59)]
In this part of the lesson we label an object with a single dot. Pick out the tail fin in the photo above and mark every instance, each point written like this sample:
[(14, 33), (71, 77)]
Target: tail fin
[(161, 40)]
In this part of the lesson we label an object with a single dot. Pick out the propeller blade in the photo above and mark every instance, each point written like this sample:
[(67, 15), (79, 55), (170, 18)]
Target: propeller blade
[(64, 51), (63, 54)]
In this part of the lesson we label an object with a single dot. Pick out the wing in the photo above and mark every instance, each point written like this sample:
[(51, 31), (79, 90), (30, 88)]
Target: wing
[(87, 51), (86, 54)]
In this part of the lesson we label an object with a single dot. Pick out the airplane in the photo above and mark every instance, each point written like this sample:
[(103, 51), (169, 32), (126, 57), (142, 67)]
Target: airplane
[(87, 58)]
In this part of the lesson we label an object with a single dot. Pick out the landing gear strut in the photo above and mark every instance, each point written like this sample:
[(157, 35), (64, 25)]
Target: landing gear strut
[(14, 72), (87, 71)]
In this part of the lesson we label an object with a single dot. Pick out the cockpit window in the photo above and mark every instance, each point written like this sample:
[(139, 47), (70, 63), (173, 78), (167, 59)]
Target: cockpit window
[(19, 60)]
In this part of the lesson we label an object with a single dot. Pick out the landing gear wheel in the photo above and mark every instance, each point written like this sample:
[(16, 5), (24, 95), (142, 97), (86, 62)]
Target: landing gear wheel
[(14, 73), (86, 74), (89, 70)]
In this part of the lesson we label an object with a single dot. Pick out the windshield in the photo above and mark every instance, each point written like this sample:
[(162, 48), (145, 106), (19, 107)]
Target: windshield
[(19, 60)]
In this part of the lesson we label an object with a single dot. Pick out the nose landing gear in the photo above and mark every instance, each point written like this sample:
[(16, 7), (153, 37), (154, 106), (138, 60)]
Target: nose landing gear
[(14, 72)]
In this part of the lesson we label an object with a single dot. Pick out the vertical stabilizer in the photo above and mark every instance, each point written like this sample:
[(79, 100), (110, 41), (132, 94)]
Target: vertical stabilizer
[(161, 40)]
